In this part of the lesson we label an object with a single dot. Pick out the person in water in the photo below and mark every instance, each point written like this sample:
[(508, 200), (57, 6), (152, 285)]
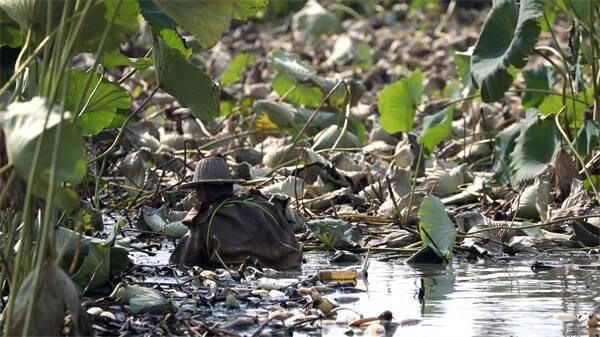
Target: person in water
[(228, 227)]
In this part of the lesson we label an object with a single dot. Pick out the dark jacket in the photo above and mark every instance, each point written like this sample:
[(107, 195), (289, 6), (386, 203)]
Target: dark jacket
[(242, 226)]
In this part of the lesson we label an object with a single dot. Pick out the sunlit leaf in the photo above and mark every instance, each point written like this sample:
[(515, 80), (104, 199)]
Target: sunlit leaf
[(246, 8), (101, 109), (206, 20), (507, 37), (173, 40), (236, 67), (397, 103), (441, 232), (295, 92), (280, 114), (436, 127), (462, 60)]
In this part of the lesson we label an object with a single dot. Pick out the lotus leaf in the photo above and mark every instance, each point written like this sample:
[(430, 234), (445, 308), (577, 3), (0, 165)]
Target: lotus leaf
[(207, 20), (505, 144), (189, 84), (336, 233), (23, 124), (436, 128), (507, 37), (535, 148), (102, 107), (437, 230), (397, 103), (315, 20)]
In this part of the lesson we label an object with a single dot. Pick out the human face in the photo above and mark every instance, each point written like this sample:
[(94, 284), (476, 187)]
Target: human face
[(201, 193)]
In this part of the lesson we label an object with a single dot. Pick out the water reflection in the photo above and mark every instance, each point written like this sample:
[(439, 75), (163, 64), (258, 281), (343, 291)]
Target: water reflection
[(500, 298)]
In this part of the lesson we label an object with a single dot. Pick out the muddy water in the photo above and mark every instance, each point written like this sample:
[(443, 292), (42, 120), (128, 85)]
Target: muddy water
[(500, 298), (493, 298)]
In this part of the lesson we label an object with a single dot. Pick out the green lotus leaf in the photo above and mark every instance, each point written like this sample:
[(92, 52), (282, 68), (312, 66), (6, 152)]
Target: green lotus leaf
[(535, 148), (155, 16), (101, 109), (23, 125), (462, 60), (95, 269), (10, 35), (327, 138), (436, 127), (141, 299), (295, 92), (507, 37), (124, 26), (587, 137), (281, 114), (244, 9), (315, 20), (505, 144), (236, 67), (189, 84), (540, 77), (336, 233), (397, 103), (441, 232)]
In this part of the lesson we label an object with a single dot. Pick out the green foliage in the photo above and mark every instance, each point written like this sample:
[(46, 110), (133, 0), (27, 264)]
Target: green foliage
[(336, 233), (155, 16), (437, 231), (436, 128), (437, 224), (236, 67), (587, 137), (10, 34), (540, 77), (535, 148), (110, 253), (327, 138), (23, 124), (102, 107), (95, 270), (297, 93), (207, 20), (315, 20), (293, 73), (189, 84), (505, 144), (397, 103), (124, 26), (115, 59), (507, 37), (141, 300), (462, 60)]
